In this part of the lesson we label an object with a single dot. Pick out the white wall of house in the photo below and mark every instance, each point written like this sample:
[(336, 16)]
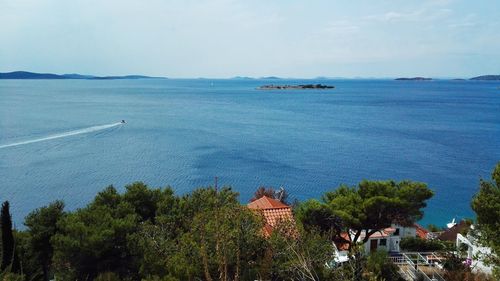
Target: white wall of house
[(405, 231), (475, 252), (381, 244), (390, 242)]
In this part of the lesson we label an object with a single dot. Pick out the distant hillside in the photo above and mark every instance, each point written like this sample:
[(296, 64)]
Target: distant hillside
[(30, 75), (486, 77), (413, 79), (33, 75)]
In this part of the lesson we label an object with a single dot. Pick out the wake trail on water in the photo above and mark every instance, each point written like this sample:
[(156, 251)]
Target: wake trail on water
[(66, 134)]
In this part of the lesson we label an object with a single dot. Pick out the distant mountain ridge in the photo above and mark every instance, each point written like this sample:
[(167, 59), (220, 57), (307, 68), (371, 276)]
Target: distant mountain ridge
[(34, 75), (486, 77)]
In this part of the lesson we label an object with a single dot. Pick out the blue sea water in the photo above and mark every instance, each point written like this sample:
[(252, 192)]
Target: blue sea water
[(183, 133)]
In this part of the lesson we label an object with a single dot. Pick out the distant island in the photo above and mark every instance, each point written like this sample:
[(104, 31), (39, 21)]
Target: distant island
[(486, 77), (242, 78), (33, 75), (296, 87), (413, 79), (270, 78)]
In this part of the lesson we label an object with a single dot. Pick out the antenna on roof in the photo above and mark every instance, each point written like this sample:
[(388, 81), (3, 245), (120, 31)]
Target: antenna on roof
[(281, 193)]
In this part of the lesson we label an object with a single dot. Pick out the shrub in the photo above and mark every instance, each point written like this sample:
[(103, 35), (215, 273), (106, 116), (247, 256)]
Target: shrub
[(415, 244), (382, 268)]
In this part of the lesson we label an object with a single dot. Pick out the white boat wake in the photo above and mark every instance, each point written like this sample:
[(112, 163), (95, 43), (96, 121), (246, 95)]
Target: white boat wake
[(63, 135)]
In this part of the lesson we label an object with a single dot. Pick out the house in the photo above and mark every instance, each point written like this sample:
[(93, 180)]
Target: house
[(273, 212), (389, 238)]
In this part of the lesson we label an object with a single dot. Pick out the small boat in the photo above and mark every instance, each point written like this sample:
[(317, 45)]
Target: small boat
[(451, 224), (123, 121)]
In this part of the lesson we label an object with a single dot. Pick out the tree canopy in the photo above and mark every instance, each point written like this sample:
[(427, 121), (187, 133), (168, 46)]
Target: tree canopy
[(151, 234), (42, 226), (367, 208), (486, 204)]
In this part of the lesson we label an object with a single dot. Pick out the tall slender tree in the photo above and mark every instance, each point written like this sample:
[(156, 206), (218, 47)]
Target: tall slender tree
[(7, 236)]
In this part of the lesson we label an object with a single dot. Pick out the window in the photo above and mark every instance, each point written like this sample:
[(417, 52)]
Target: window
[(383, 242), (396, 233)]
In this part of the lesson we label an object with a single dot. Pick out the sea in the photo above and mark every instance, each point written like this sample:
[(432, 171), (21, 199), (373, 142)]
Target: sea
[(64, 139)]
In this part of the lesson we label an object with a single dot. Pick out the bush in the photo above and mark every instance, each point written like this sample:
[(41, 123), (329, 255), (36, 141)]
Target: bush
[(415, 244), (382, 268)]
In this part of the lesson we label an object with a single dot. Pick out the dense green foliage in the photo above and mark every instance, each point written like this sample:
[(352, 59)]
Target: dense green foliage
[(369, 207), (153, 234), (417, 244), (486, 204), (380, 267), (42, 226)]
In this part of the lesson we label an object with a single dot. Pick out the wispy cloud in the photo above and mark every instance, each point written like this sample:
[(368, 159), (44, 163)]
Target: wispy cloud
[(471, 20), (421, 15), (340, 26)]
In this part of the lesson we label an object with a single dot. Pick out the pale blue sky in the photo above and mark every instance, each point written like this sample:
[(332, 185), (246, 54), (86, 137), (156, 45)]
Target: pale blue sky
[(224, 38)]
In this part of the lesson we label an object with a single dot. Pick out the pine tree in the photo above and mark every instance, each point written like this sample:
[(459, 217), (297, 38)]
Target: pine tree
[(7, 237)]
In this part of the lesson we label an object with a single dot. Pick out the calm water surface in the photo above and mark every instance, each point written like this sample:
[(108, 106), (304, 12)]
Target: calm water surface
[(182, 133)]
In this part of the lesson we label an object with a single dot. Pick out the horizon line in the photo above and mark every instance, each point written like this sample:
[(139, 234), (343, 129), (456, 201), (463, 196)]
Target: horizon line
[(243, 77)]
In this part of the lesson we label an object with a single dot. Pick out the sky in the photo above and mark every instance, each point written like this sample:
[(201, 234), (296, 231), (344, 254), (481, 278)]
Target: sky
[(227, 38)]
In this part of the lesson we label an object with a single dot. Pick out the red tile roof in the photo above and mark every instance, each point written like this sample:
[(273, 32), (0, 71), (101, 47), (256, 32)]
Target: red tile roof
[(384, 233), (266, 203), (273, 212), (421, 231)]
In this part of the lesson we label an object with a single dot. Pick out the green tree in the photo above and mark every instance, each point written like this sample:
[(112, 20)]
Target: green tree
[(9, 258), (94, 239), (145, 200), (380, 267), (206, 235), (30, 265), (298, 254), (42, 226), (315, 214), (369, 207), (486, 204)]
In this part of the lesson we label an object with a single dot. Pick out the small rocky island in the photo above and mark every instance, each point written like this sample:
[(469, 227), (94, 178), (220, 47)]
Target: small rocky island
[(295, 87), (413, 79)]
